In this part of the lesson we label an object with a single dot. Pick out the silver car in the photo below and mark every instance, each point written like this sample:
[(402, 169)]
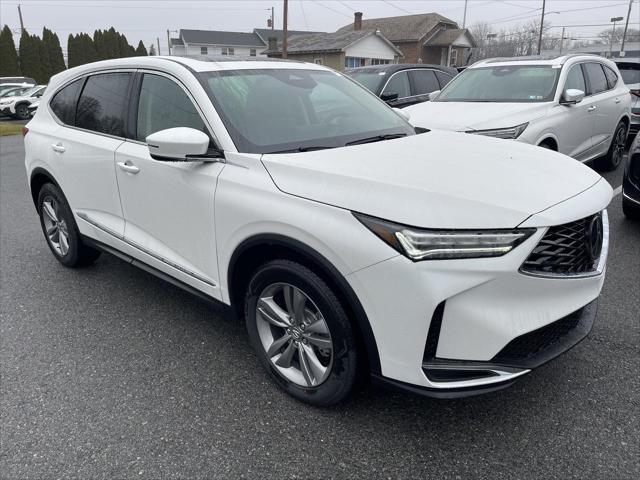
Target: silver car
[(630, 71)]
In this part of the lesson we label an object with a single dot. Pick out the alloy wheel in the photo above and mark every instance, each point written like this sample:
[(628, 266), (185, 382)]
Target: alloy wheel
[(294, 334), (618, 146), (55, 226)]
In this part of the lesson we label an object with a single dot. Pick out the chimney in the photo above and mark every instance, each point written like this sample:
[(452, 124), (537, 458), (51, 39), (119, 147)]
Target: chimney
[(273, 44), (357, 21)]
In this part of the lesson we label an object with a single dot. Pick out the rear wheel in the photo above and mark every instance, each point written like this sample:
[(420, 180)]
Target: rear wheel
[(60, 229), (301, 333), (630, 210), (614, 155)]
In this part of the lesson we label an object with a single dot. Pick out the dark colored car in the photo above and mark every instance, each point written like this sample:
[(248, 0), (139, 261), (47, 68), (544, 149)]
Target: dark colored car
[(631, 182), (27, 80), (403, 84), (630, 71)]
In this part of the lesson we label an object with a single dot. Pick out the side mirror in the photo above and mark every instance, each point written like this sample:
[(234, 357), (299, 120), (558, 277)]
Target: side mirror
[(389, 97), (403, 114), (434, 95), (571, 96), (179, 144)]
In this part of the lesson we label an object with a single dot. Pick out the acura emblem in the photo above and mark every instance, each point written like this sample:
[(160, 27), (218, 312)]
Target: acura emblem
[(594, 235)]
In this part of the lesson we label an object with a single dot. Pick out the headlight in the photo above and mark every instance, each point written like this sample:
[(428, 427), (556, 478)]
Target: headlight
[(6, 102), (426, 244), (513, 132)]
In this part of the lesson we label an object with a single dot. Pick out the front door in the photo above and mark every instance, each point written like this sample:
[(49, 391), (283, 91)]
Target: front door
[(169, 206), (575, 138)]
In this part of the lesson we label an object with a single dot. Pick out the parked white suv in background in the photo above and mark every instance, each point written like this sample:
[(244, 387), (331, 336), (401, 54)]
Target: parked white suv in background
[(18, 105), (575, 104), (318, 213)]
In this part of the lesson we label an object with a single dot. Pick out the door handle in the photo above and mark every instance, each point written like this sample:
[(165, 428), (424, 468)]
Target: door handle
[(591, 108), (617, 100), (128, 167), (58, 147)]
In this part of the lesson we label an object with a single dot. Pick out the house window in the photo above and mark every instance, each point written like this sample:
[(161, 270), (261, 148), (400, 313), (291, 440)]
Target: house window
[(252, 52), (203, 50), (227, 51), (317, 61), (454, 56), (352, 62), (380, 61)]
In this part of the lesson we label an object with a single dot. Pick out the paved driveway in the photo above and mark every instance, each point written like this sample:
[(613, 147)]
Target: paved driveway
[(108, 372)]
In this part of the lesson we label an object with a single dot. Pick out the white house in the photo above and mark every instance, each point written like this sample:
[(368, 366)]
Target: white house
[(212, 42)]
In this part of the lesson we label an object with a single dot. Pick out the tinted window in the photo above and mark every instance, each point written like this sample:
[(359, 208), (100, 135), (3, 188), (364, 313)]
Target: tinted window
[(424, 81), (612, 77), (101, 107), (630, 73), (163, 104), (575, 79), (597, 80), (398, 83), (63, 103), (443, 78)]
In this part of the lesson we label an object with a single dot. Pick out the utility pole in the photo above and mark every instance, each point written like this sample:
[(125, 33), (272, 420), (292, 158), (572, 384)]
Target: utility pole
[(561, 40), (273, 19), (541, 27), (626, 25), (613, 34), (464, 17), (158, 41), (284, 29), (21, 23), (168, 42)]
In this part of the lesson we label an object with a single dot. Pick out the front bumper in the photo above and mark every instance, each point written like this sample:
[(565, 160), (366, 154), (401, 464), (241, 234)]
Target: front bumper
[(462, 327), (5, 111)]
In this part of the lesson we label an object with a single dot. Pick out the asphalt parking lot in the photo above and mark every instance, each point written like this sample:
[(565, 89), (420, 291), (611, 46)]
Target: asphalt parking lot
[(108, 372)]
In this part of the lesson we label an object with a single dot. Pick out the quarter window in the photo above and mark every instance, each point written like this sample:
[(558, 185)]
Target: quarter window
[(424, 81), (163, 104), (101, 107), (597, 79), (443, 78), (399, 83), (612, 77), (575, 79), (63, 103)]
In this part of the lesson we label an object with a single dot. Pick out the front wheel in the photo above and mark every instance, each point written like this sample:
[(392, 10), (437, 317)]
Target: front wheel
[(60, 229), (301, 333), (22, 111), (614, 155)]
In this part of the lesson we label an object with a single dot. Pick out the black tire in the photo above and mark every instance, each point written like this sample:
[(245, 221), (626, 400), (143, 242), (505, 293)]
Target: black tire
[(630, 210), (546, 145), (22, 111), (78, 254), (344, 370), (613, 157)]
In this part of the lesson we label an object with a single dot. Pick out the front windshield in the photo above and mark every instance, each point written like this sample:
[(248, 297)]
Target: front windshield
[(277, 110), (512, 83), (371, 80), (15, 92)]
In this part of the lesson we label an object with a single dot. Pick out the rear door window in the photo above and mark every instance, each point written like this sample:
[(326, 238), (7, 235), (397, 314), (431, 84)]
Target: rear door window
[(424, 81), (63, 103), (597, 78), (102, 104), (443, 78)]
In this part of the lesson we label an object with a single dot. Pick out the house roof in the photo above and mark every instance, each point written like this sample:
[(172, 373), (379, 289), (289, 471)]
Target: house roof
[(328, 42), (449, 37), (266, 33), (215, 37), (176, 41), (405, 28)]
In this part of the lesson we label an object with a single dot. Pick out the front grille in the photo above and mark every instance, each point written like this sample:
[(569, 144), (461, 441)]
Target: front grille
[(570, 249), (534, 348)]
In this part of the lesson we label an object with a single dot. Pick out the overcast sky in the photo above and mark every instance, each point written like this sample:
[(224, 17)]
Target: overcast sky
[(148, 19)]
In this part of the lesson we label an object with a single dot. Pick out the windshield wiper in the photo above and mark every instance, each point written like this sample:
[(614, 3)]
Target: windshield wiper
[(377, 138), (303, 149)]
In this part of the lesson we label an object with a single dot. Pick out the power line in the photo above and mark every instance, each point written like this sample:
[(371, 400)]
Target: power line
[(345, 5), (304, 15), (332, 9), (397, 7)]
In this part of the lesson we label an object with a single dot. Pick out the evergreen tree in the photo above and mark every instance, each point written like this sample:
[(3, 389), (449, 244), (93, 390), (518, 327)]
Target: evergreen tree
[(72, 51), (45, 62), (30, 57), (152, 50), (9, 66), (141, 51), (56, 57)]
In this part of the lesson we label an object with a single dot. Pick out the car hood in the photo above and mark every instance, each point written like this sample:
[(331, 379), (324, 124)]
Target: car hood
[(436, 179), (15, 99), (463, 116)]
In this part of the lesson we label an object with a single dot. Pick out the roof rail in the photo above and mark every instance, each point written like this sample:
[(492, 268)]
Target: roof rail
[(529, 58)]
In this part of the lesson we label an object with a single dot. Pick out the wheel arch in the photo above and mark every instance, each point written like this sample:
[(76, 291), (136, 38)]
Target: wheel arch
[(39, 176), (549, 140), (257, 250)]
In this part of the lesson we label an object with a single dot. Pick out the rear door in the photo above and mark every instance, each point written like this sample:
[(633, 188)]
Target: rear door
[(91, 114), (604, 106), (168, 206), (398, 84)]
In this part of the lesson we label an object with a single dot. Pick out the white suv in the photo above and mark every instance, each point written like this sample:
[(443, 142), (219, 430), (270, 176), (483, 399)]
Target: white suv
[(575, 104), (324, 219)]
